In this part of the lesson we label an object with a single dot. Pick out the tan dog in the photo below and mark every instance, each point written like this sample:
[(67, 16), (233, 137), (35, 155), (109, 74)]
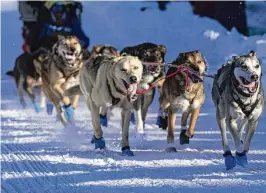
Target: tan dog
[(184, 91), (110, 82), (58, 75)]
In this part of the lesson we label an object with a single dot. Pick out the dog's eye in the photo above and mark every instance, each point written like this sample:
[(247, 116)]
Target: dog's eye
[(136, 67), (123, 69), (199, 61), (244, 67), (257, 66), (187, 61)]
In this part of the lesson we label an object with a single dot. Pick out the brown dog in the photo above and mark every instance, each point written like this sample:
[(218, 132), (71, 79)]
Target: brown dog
[(60, 73), (27, 78), (184, 90), (149, 53)]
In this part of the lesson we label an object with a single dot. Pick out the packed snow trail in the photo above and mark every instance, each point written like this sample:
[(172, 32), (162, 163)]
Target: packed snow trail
[(38, 155)]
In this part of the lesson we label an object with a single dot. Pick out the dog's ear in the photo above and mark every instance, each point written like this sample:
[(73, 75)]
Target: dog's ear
[(60, 37), (252, 53), (235, 57), (162, 48), (96, 49)]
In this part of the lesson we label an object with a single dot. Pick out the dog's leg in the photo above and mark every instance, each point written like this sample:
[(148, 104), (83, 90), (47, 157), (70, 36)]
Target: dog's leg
[(28, 87), (98, 133), (137, 113), (42, 98), (148, 98), (242, 126), (229, 160), (184, 120), (251, 128), (75, 101), (103, 116), (125, 115), (194, 116), (241, 157), (19, 83), (69, 111), (171, 129), (233, 128)]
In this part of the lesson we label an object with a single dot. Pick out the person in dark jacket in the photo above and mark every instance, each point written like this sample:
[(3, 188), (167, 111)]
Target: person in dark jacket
[(57, 17)]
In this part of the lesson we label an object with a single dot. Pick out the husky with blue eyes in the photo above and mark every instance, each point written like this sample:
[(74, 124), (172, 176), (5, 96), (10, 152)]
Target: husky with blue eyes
[(238, 97)]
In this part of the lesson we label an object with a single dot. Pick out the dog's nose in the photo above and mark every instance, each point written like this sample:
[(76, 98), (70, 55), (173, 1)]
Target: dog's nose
[(72, 49), (133, 79), (254, 77)]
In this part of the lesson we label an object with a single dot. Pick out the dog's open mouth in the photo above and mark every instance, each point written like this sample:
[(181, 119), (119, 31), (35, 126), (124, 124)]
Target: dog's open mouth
[(251, 86), (131, 91)]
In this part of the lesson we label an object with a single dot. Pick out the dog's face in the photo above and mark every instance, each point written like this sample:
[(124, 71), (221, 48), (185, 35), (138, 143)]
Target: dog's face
[(247, 72), (105, 50), (148, 52), (194, 61), (129, 69), (68, 48)]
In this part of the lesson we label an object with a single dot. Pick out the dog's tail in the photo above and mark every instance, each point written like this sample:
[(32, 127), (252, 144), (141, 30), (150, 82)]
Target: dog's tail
[(75, 90), (10, 73)]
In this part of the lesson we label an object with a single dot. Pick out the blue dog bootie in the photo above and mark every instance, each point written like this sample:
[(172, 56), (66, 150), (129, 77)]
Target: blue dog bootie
[(93, 139), (99, 143), (37, 107), (103, 120), (69, 112), (229, 161), (23, 104), (126, 151), (132, 118), (49, 108), (241, 159)]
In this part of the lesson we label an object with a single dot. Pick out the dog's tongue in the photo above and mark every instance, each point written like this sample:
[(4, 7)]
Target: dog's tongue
[(132, 89), (251, 86)]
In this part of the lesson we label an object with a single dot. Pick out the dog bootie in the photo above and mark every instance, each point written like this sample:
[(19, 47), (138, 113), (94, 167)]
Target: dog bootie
[(49, 108), (103, 120), (126, 151), (69, 112), (183, 138), (241, 159), (23, 104), (37, 107), (132, 118), (229, 161), (99, 143), (162, 122), (93, 139)]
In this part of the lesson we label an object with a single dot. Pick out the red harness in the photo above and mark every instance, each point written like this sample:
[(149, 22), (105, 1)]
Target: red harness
[(180, 68)]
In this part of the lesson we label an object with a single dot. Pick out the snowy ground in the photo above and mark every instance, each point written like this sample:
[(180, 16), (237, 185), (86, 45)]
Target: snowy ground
[(39, 155)]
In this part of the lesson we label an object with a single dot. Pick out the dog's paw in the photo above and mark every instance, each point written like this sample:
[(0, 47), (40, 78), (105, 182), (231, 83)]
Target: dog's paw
[(241, 159), (23, 104), (229, 161), (170, 148), (126, 151), (183, 138), (93, 139), (37, 107), (99, 143), (49, 108), (162, 122), (69, 112), (103, 120), (132, 118)]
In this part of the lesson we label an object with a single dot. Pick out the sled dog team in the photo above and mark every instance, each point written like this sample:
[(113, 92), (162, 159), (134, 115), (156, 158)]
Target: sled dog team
[(128, 79)]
